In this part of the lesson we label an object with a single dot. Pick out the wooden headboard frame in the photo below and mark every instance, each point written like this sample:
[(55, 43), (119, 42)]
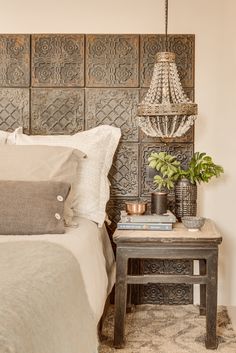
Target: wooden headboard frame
[(65, 83)]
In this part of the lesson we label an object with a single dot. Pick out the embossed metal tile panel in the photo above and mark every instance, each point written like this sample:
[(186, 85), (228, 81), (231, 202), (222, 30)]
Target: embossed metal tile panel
[(115, 107), (57, 60), (14, 108), (57, 111), (166, 294), (112, 60), (14, 60), (114, 206), (183, 152), (170, 294), (124, 171), (184, 267), (181, 45)]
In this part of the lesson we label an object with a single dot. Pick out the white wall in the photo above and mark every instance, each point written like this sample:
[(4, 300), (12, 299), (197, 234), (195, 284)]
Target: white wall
[(213, 23)]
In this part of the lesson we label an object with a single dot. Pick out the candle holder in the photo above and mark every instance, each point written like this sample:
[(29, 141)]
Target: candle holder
[(158, 202)]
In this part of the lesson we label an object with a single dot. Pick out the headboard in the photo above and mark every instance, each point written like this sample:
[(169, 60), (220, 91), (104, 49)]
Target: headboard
[(64, 83)]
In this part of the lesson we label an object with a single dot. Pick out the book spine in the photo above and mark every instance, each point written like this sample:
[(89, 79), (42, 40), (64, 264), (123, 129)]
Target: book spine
[(147, 219), (148, 226)]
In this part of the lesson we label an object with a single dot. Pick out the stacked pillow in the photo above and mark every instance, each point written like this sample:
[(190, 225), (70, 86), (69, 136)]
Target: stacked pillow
[(33, 164), (92, 189), (32, 207)]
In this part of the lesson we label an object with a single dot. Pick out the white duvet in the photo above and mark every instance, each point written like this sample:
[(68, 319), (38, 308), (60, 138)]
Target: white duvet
[(53, 289)]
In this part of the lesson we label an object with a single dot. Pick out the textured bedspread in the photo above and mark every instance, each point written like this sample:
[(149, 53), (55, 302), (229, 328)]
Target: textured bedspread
[(53, 289), (44, 306)]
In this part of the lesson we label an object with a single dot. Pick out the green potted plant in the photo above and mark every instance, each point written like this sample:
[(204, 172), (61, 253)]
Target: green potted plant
[(201, 168), (167, 166)]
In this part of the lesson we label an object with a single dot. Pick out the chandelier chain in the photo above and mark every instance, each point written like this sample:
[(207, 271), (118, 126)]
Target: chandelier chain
[(166, 25)]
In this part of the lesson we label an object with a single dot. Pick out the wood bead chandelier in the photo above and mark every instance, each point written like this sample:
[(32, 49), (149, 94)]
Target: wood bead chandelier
[(166, 111)]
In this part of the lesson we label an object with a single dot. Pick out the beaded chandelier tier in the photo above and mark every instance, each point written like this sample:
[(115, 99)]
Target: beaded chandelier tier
[(166, 111)]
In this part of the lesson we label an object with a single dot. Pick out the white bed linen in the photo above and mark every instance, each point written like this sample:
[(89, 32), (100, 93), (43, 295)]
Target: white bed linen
[(53, 289)]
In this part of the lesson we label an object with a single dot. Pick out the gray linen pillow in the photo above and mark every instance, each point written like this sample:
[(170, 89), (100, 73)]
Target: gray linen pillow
[(32, 207), (38, 163)]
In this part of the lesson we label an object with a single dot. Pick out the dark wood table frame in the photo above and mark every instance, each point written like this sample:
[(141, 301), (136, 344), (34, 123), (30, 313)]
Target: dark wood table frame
[(177, 244)]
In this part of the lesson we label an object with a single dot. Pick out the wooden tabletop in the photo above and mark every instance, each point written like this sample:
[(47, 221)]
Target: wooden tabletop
[(179, 234)]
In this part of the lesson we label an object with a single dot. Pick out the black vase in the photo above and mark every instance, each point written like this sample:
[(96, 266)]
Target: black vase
[(158, 202), (185, 198)]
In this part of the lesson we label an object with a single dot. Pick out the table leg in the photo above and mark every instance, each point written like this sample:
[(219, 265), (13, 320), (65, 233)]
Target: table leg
[(120, 298), (211, 301), (202, 270), (129, 289)]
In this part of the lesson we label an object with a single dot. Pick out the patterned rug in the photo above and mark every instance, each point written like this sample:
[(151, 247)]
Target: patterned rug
[(168, 329)]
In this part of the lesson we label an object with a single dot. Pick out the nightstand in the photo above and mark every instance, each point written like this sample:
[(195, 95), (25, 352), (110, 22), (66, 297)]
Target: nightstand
[(176, 244)]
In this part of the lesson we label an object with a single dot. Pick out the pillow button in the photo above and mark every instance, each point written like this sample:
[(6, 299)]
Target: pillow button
[(59, 198), (57, 216)]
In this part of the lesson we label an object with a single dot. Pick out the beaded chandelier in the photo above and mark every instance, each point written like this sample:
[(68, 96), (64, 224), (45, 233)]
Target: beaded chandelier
[(166, 111)]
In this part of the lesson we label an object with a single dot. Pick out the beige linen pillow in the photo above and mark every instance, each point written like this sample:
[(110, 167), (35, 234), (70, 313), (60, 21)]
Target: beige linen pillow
[(32, 207), (99, 144), (38, 163)]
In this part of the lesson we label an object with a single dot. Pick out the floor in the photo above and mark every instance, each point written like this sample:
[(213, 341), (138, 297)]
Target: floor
[(168, 329)]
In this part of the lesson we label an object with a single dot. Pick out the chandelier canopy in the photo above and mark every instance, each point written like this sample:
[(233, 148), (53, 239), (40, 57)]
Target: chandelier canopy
[(166, 111)]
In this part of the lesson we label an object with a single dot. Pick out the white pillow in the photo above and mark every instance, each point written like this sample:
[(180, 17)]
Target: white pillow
[(4, 136), (99, 144)]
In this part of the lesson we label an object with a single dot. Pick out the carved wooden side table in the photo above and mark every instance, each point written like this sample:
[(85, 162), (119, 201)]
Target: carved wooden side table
[(176, 244)]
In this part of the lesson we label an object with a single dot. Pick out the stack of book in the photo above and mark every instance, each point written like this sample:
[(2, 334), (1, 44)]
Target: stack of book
[(147, 221)]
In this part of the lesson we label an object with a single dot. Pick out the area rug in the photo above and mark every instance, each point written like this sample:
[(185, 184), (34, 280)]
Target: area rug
[(168, 329)]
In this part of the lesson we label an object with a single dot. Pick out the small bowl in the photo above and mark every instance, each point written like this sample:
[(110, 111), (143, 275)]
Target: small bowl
[(136, 207), (193, 223)]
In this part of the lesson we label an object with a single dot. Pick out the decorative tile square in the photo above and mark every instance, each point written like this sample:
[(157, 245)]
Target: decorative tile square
[(112, 60), (14, 60), (58, 60), (124, 171), (14, 108), (183, 152), (114, 206), (172, 294), (181, 45), (156, 266), (115, 107), (57, 111)]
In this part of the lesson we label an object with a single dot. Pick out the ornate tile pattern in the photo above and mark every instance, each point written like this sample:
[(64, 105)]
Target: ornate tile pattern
[(166, 294), (181, 45), (14, 60), (112, 60), (57, 111), (14, 108), (183, 152), (124, 171), (167, 267), (114, 206), (58, 60), (113, 107)]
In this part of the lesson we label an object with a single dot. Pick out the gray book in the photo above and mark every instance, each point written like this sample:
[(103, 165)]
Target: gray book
[(168, 217), (144, 226)]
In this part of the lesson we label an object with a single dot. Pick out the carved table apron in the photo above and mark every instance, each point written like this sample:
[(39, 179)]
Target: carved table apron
[(176, 244)]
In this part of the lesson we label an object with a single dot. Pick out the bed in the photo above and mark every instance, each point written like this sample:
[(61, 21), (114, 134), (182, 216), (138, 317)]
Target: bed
[(53, 289), (54, 286)]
